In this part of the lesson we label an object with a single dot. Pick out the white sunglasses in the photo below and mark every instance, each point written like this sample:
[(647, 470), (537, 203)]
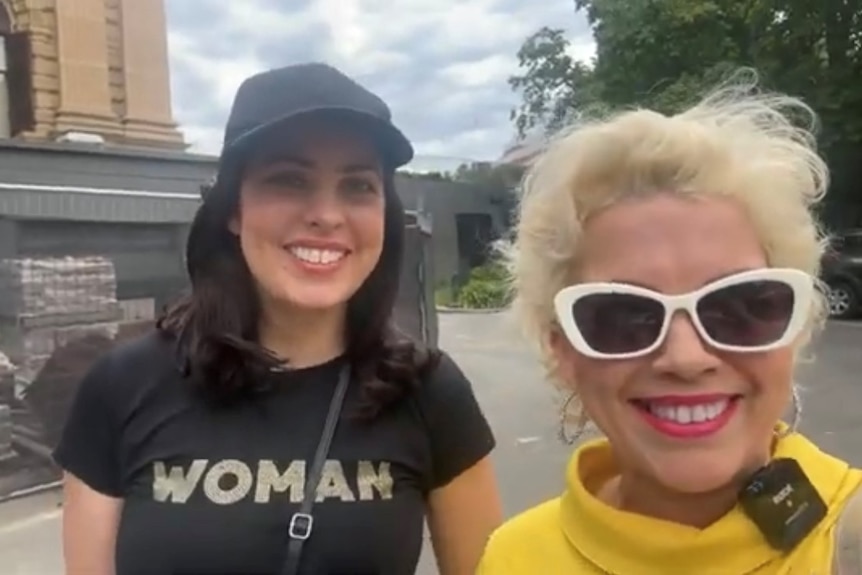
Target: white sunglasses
[(752, 311)]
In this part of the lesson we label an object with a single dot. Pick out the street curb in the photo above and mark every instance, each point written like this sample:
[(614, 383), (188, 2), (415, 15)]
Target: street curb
[(444, 309), (32, 491)]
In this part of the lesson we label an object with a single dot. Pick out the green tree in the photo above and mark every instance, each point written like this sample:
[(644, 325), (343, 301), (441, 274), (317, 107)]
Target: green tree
[(433, 176), (488, 175), (664, 54), (554, 85)]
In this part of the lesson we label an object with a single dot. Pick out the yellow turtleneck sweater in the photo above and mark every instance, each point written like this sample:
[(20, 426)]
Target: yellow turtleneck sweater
[(577, 534)]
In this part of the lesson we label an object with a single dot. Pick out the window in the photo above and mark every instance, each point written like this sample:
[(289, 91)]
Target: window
[(19, 82), (16, 72)]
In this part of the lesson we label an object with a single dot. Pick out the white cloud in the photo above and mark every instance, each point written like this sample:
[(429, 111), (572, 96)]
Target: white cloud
[(266, 20), (442, 65), (224, 75), (582, 50), (203, 139), (490, 70), (344, 18), (460, 146)]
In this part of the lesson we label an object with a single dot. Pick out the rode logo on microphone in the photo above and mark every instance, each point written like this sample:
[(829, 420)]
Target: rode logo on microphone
[(785, 492)]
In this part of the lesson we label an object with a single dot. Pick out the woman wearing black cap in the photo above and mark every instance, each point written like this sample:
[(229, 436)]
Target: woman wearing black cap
[(275, 422)]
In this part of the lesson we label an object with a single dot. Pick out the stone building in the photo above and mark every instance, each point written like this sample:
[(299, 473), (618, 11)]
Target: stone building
[(86, 70), (97, 191), (523, 152), (86, 122)]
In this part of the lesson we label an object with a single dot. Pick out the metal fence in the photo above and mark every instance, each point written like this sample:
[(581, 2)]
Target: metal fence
[(59, 313)]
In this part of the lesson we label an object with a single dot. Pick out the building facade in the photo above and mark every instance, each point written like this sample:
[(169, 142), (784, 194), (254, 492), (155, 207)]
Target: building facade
[(91, 70), (85, 103), (98, 189)]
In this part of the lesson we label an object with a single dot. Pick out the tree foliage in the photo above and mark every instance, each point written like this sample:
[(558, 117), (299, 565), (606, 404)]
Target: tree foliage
[(488, 175), (665, 54), (554, 85)]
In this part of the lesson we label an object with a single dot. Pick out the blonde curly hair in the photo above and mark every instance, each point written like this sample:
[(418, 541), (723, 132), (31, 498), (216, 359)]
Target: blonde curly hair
[(755, 147)]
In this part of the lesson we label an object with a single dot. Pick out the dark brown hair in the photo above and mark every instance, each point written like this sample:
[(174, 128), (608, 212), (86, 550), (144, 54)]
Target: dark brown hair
[(216, 325)]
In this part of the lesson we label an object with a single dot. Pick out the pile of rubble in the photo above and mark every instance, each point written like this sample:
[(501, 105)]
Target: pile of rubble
[(7, 379), (48, 305)]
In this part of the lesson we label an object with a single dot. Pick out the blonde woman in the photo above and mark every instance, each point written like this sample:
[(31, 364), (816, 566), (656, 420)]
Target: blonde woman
[(667, 265)]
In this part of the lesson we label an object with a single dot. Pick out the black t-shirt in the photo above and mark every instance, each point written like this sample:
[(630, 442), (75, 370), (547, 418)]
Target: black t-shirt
[(211, 490)]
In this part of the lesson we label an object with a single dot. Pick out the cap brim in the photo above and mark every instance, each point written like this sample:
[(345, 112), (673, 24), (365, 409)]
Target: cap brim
[(395, 148)]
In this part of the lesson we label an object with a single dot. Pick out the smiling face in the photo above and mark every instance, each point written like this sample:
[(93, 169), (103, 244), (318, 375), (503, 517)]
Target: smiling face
[(311, 214), (676, 245)]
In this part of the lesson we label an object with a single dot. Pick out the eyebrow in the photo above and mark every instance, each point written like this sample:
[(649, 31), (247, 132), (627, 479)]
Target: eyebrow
[(310, 164), (712, 279)]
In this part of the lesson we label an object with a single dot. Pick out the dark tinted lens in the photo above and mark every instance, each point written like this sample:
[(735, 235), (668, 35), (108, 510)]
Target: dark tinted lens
[(618, 323), (747, 315)]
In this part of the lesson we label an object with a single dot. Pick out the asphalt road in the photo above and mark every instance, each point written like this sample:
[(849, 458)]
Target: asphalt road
[(521, 407)]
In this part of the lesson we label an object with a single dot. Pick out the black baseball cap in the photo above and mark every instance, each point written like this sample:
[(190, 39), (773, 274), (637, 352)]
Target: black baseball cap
[(270, 101)]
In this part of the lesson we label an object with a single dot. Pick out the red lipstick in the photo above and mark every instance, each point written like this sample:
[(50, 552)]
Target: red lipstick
[(689, 416)]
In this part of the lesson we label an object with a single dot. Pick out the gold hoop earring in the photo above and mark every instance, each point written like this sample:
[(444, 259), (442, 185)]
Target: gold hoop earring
[(796, 407), (796, 402), (562, 432)]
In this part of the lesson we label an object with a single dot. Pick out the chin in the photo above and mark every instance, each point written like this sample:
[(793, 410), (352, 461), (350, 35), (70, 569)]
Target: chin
[(316, 298)]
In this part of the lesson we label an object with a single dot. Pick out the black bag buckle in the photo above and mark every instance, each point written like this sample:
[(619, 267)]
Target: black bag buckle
[(300, 526)]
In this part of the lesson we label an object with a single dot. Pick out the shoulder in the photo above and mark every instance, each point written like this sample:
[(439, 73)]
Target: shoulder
[(527, 538), (848, 534), (444, 380), (105, 398), (131, 362), (446, 392), (152, 350), (458, 432), (542, 521)]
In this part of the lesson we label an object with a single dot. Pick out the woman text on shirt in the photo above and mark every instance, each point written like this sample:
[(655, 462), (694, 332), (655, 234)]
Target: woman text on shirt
[(187, 451), (666, 264)]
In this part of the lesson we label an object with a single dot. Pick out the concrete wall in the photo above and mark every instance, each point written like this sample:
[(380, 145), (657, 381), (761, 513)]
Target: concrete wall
[(81, 165), (144, 191), (8, 237), (444, 201)]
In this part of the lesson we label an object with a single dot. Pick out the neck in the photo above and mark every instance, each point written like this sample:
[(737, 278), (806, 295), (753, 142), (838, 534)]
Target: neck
[(637, 494), (304, 338), (634, 492)]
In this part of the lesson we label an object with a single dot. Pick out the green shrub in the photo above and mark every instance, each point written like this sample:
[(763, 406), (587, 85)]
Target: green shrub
[(445, 296), (487, 288), (492, 271)]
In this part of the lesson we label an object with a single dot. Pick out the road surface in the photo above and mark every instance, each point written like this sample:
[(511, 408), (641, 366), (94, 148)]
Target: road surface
[(529, 459)]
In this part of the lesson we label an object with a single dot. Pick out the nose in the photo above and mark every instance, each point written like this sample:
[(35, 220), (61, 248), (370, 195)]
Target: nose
[(683, 354), (324, 208)]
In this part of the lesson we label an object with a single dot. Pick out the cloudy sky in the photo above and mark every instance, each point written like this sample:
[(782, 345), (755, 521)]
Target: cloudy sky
[(442, 65)]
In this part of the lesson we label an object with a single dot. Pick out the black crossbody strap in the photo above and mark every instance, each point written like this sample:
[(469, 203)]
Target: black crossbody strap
[(302, 522)]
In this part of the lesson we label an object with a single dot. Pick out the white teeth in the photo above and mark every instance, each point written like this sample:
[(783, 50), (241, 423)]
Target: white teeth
[(689, 413), (316, 256)]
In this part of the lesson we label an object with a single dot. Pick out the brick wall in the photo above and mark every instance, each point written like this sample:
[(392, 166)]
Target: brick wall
[(39, 17), (115, 56)]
